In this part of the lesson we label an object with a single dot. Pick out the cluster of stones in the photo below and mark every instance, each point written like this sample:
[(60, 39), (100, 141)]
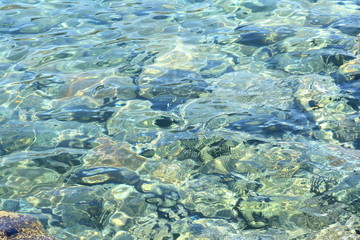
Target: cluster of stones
[(15, 226), (206, 142)]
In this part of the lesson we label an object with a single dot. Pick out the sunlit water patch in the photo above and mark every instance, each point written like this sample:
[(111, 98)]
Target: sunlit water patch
[(181, 119)]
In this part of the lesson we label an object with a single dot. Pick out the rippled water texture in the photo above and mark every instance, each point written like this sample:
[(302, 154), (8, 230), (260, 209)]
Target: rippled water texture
[(182, 119)]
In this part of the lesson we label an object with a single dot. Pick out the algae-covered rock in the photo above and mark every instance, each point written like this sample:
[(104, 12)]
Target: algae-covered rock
[(208, 228), (207, 196), (263, 211), (113, 154), (348, 231), (15, 136), (210, 153), (15, 226), (77, 206), (329, 108), (351, 69)]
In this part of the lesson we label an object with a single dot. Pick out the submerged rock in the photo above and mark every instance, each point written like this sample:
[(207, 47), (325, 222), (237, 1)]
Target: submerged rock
[(206, 196), (265, 125), (351, 69), (329, 108), (137, 123), (349, 231), (17, 226), (166, 89), (77, 209), (15, 136), (259, 37), (104, 175), (114, 154), (350, 25)]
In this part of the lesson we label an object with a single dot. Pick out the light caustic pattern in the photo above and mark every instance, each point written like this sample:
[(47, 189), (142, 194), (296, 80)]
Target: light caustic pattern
[(181, 119)]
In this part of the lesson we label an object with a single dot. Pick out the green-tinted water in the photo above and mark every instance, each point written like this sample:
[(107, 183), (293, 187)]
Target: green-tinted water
[(182, 119)]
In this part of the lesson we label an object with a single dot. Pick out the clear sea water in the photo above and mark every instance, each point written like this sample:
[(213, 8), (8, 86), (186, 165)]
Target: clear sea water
[(182, 119)]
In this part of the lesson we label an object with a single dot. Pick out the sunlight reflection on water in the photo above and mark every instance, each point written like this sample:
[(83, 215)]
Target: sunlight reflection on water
[(181, 119)]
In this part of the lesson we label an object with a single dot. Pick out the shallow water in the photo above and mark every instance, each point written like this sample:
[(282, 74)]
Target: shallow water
[(182, 119)]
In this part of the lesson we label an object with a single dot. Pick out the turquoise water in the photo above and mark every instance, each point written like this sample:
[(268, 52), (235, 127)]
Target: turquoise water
[(182, 119)]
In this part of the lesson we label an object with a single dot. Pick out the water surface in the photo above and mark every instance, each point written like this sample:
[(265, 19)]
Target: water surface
[(182, 119)]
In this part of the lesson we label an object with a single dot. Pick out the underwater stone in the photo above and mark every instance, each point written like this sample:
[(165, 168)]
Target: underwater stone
[(320, 184), (119, 220), (320, 20), (260, 37), (175, 173), (151, 227), (121, 191), (209, 197), (273, 203), (113, 89), (262, 211), (17, 54), (350, 25), (217, 65), (20, 226), (351, 70), (190, 153), (147, 153), (259, 8), (78, 113), (74, 206), (265, 125), (322, 98), (104, 175), (333, 58), (348, 230), (176, 212), (16, 135), (23, 179), (209, 228), (53, 133), (347, 191), (170, 88), (134, 205), (122, 235), (249, 92), (164, 122), (61, 163), (134, 123), (10, 205), (164, 195), (318, 212), (110, 153), (254, 39)]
